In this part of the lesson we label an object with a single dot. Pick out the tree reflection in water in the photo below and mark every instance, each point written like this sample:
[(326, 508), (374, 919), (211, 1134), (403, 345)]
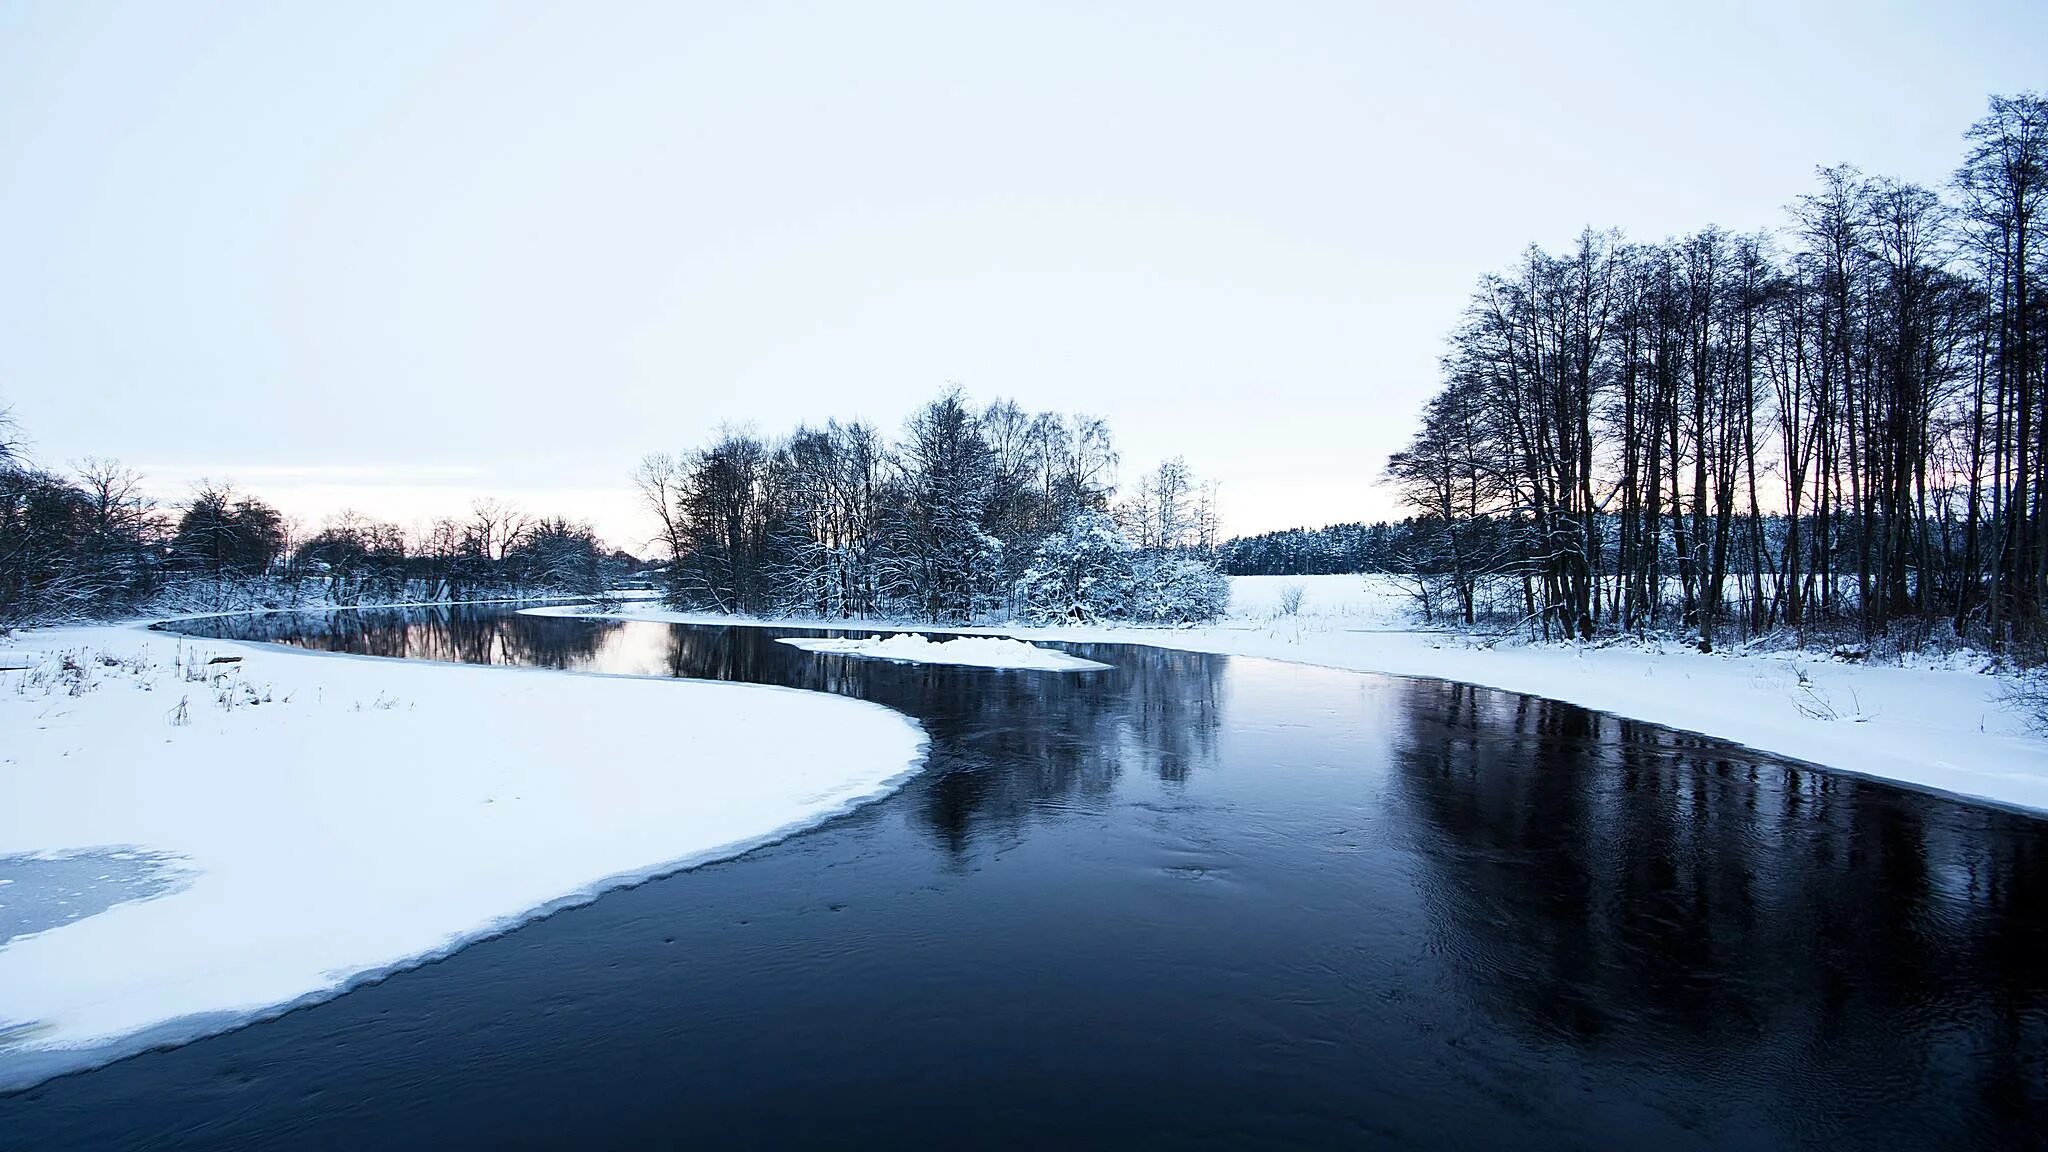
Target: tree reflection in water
[(1004, 745), (1649, 896), (460, 633)]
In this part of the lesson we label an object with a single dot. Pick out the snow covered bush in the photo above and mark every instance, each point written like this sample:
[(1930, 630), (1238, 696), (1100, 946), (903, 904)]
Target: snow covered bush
[(1178, 590), (1085, 567), (1290, 599), (1089, 570), (2027, 695)]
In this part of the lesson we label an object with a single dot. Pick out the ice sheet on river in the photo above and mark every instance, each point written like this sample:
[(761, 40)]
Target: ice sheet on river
[(968, 651)]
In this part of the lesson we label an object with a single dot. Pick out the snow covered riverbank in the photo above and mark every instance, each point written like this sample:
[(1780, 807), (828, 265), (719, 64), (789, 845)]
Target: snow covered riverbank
[(186, 844), (1942, 728)]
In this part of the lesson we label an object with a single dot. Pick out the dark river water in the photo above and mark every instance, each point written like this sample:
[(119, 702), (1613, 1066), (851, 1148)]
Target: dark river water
[(1193, 901)]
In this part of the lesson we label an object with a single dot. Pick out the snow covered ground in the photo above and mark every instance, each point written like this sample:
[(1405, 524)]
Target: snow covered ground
[(1942, 726), (1357, 601), (967, 651), (185, 845)]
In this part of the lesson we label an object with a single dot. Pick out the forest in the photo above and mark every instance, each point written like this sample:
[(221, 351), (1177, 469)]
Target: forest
[(93, 544), (1336, 548), (971, 514), (1838, 422)]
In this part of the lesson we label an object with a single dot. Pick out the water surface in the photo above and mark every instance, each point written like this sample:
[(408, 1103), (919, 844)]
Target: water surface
[(1189, 901)]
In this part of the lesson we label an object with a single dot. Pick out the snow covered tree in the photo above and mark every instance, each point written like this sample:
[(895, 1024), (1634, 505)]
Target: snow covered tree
[(557, 555), (724, 501), (360, 560), (973, 514), (1082, 571), (73, 548), (830, 485), (224, 534), (943, 564), (1169, 589)]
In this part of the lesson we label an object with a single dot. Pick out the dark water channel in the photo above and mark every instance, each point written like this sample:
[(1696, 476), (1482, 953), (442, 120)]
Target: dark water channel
[(1192, 901)]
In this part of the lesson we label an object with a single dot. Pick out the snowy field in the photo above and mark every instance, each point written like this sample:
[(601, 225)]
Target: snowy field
[(186, 845), (964, 651), (1941, 727), (1356, 601)]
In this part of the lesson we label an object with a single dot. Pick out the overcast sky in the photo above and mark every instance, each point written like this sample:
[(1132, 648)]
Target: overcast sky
[(396, 257)]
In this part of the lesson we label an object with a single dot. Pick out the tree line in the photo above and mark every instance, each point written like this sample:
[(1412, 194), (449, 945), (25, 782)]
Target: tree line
[(93, 543), (969, 514), (1840, 420), (1334, 548)]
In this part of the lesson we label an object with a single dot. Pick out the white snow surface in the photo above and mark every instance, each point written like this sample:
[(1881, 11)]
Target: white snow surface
[(969, 651), (349, 816), (1940, 726), (1358, 601)]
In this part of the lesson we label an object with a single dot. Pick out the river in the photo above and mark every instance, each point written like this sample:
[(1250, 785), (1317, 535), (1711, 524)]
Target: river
[(1192, 900)]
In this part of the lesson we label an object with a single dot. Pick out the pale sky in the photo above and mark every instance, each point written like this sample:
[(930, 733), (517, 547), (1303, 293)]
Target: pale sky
[(397, 257)]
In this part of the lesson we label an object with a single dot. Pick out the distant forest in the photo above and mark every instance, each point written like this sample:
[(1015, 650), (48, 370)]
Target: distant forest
[(91, 543), (1842, 420), (971, 513), (1316, 551)]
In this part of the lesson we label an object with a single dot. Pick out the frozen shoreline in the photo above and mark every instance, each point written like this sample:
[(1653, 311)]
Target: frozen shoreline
[(1941, 729), (341, 818), (962, 651)]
